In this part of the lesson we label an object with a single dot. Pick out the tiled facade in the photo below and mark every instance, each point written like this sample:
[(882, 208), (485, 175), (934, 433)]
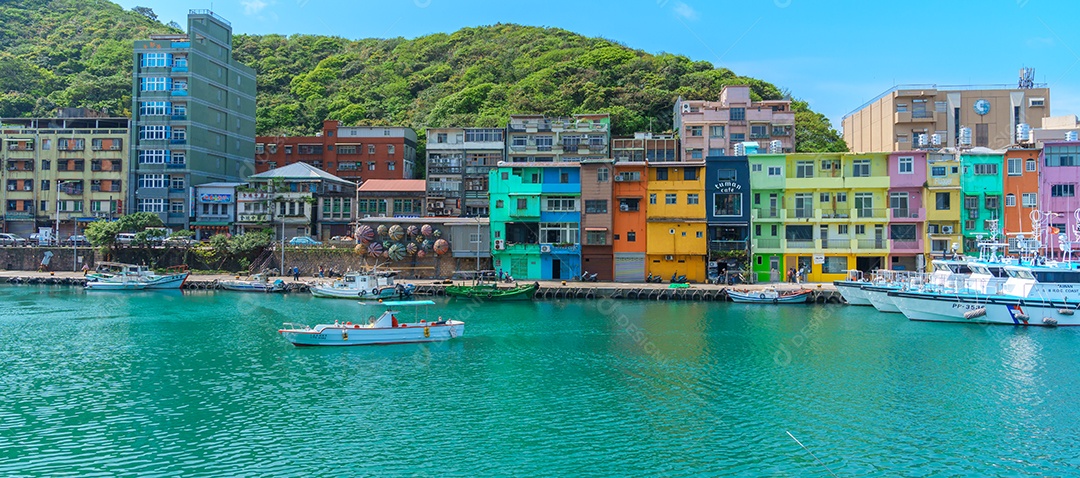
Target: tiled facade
[(354, 153)]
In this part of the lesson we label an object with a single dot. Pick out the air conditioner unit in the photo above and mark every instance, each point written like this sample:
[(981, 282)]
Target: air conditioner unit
[(500, 245), (545, 248), (624, 207), (946, 229), (933, 229), (618, 178), (669, 258), (11, 187)]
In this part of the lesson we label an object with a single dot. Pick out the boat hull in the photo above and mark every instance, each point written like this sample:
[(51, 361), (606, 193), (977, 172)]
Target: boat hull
[(492, 293), (761, 298), (108, 285), (346, 293), (342, 335), (879, 298), (852, 292), (929, 307), (245, 286), (171, 281)]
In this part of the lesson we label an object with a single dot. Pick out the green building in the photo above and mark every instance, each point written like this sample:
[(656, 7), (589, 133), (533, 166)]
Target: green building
[(193, 117), (767, 216), (981, 186)]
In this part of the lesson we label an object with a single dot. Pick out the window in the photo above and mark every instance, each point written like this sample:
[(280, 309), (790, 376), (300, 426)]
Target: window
[(371, 149), (153, 132), (841, 197), (901, 107), (898, 202), (560, 204), (726, 175), (390, 149), (775, 171), (595, 206), (1010, 200), (631, 236), (937, 171), (971, 202), (499, 204), (154, 84), (695, 130), (671, 198), (716, 131), (695, 154), (986, 169), (755, 168), (522, 203), (860, 168), (154, 108), (906, 165), (180, 134), (628, 176), (176, 182), (1062, 190), (1014, 166), (1037, 102), (628, 204), (738, 137), (689, 174), (835, 265), (860, 229), (559, 232), (727, 204), (804, 169), (151, 205), (151, 181), (737, 114), (154, 59), (804, 205), (596, 237), (1029, 200), (179, 158), (181, 110), (864, 203), (602, 175), (652, 198), (371, 165), (714, 152), (1029, 165), (391, 165), (564, 178), (842, 229), (153, 156), (661, 174), (824, 197), (176, 207)]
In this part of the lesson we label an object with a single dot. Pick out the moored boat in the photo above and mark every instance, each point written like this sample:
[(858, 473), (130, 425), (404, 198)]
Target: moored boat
[(259, 283), (121, 276), (492, 292), (369, 286), (769, 295), (385, 329), (851, 288)]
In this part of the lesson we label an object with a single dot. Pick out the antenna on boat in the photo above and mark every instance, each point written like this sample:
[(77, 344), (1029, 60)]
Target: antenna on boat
[(811, 453)]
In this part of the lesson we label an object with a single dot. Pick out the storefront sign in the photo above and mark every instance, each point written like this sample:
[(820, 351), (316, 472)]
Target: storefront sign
[(215, 198)]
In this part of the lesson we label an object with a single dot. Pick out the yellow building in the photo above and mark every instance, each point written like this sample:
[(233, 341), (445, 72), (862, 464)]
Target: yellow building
[(943, 205), (836, 209), (67, 167), (675, 216)]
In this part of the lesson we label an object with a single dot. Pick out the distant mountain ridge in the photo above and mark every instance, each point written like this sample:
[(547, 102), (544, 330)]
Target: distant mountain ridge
[(78, 53)]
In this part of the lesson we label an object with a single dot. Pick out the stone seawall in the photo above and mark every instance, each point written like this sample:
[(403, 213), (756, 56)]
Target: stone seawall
[(309, 259), (63, 258)]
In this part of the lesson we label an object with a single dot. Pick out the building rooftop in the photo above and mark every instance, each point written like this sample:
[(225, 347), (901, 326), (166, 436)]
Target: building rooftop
[(300, 171), (896, 88), (220, 185), (393, 185)]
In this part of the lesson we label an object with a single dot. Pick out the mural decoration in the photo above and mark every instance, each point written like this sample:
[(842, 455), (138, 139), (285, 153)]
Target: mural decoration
[(397, 242)]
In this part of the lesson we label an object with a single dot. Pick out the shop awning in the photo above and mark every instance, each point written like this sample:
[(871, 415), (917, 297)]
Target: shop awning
[(210, 223)]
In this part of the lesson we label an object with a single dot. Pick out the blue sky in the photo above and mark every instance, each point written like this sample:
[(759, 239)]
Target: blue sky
[(834, 54)]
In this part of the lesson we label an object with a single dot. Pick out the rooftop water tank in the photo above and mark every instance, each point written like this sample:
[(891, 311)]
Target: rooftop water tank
[(935, 139), (776, 146), (965, 136), (1022, 132), (1070, 136)]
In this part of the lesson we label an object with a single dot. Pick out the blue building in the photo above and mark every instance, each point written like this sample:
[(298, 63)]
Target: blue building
[(536, 220), (727, 210)]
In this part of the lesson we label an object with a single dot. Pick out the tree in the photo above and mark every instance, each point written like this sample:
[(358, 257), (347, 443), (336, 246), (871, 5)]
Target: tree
[(146, 12)]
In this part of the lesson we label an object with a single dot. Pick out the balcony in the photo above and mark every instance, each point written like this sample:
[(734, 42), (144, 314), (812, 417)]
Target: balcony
[(906, 246), (759, 135), (717, 245), (869, 244), (767, 244), (843, 214), (178, 93), (444, 169), (179, 69), (800, 213), (560, 248), (765, 213), (906, 214), (836, 244), (801, 244), (178, 117), (870, 213), (178, 141)]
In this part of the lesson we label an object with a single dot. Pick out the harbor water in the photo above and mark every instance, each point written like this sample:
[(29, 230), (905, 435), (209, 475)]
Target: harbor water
[(200, 384)]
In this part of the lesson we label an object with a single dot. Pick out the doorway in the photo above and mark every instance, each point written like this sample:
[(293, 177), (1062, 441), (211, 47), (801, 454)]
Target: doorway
[(556, 269)]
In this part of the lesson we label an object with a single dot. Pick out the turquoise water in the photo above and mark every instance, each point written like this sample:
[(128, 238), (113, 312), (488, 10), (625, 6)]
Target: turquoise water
[(201, 384)]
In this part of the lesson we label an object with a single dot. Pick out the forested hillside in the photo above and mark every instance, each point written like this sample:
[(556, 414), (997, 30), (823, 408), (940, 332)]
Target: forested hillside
[(77, 53)]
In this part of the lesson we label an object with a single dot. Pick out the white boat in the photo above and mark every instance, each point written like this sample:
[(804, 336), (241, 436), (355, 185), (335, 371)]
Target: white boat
[(851, 288), (259, 283), (121, 276), (769, 295), (385, 329), (878, 296), (368, 286)]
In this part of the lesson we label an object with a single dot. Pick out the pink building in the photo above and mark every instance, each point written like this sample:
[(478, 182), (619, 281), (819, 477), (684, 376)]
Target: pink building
[(1058, 180), (907, 211), (713, 128)]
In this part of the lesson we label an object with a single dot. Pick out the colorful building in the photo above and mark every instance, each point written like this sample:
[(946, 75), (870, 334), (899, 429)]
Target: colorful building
[(1058, 181), (943, 206), (907, 211), (629, 222), (767, 216), (981, 185), (354, 153), (192, 117), (536, 220), (727, 211), (60, 172), (541, 139), (1021, 186), (713, 128), (458, 162), (390, 198), (596, 218), (215, 209), (297, 200), (675, 214)]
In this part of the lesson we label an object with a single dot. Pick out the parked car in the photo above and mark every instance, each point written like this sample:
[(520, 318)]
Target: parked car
[(180, 241), (40, 240), (11, 240), (125, 238), (77, 241), (304, 241)]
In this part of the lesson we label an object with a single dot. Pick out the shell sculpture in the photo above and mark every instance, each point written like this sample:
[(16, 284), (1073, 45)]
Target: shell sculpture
[(396, 233), (375, 249), (441, 247), (413, 231), (421, 254), (426, 245), (426, 230), (437, 233), (411, 248), (365, 233), (383, 230), (396, 252), (360, 249)]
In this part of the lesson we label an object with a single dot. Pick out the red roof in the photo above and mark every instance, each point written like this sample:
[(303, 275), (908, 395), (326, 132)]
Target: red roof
[(393, 185)]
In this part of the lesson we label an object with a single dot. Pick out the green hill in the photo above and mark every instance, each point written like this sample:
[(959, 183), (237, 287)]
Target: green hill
[(77, 53)]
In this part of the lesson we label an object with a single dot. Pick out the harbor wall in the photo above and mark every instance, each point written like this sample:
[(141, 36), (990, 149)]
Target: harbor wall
[(30, 258), (308, 261)]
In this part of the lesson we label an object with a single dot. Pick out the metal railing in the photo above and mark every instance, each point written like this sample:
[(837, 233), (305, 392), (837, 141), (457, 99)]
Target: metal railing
[(871, 244), (836, 244)]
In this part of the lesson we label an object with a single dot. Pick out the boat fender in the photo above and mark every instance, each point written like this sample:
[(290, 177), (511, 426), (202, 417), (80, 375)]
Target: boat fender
[(356, 326), (1050, 321), (375, 292), (762, 296), (971, 314), (1023, 317), (427, 331), (344, 335), (1066, 312), (776, 300)]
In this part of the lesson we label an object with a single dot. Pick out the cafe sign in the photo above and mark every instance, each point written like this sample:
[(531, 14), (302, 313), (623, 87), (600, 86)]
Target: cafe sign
[(728, 187)]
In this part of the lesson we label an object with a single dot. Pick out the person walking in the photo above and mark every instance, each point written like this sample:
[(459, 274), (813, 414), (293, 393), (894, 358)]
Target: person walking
[(296, 273), (322, 272), (85, 269)]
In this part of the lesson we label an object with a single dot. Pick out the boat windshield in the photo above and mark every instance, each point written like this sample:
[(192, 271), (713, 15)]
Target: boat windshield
[(1062, 276)]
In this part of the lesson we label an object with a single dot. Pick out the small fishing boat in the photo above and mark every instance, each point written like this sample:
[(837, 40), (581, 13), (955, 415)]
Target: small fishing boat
[(492, 292), (769, 296), (385, 329), (122, 283), (368, 286), (121, 276), (851, 288), (259, 283)]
